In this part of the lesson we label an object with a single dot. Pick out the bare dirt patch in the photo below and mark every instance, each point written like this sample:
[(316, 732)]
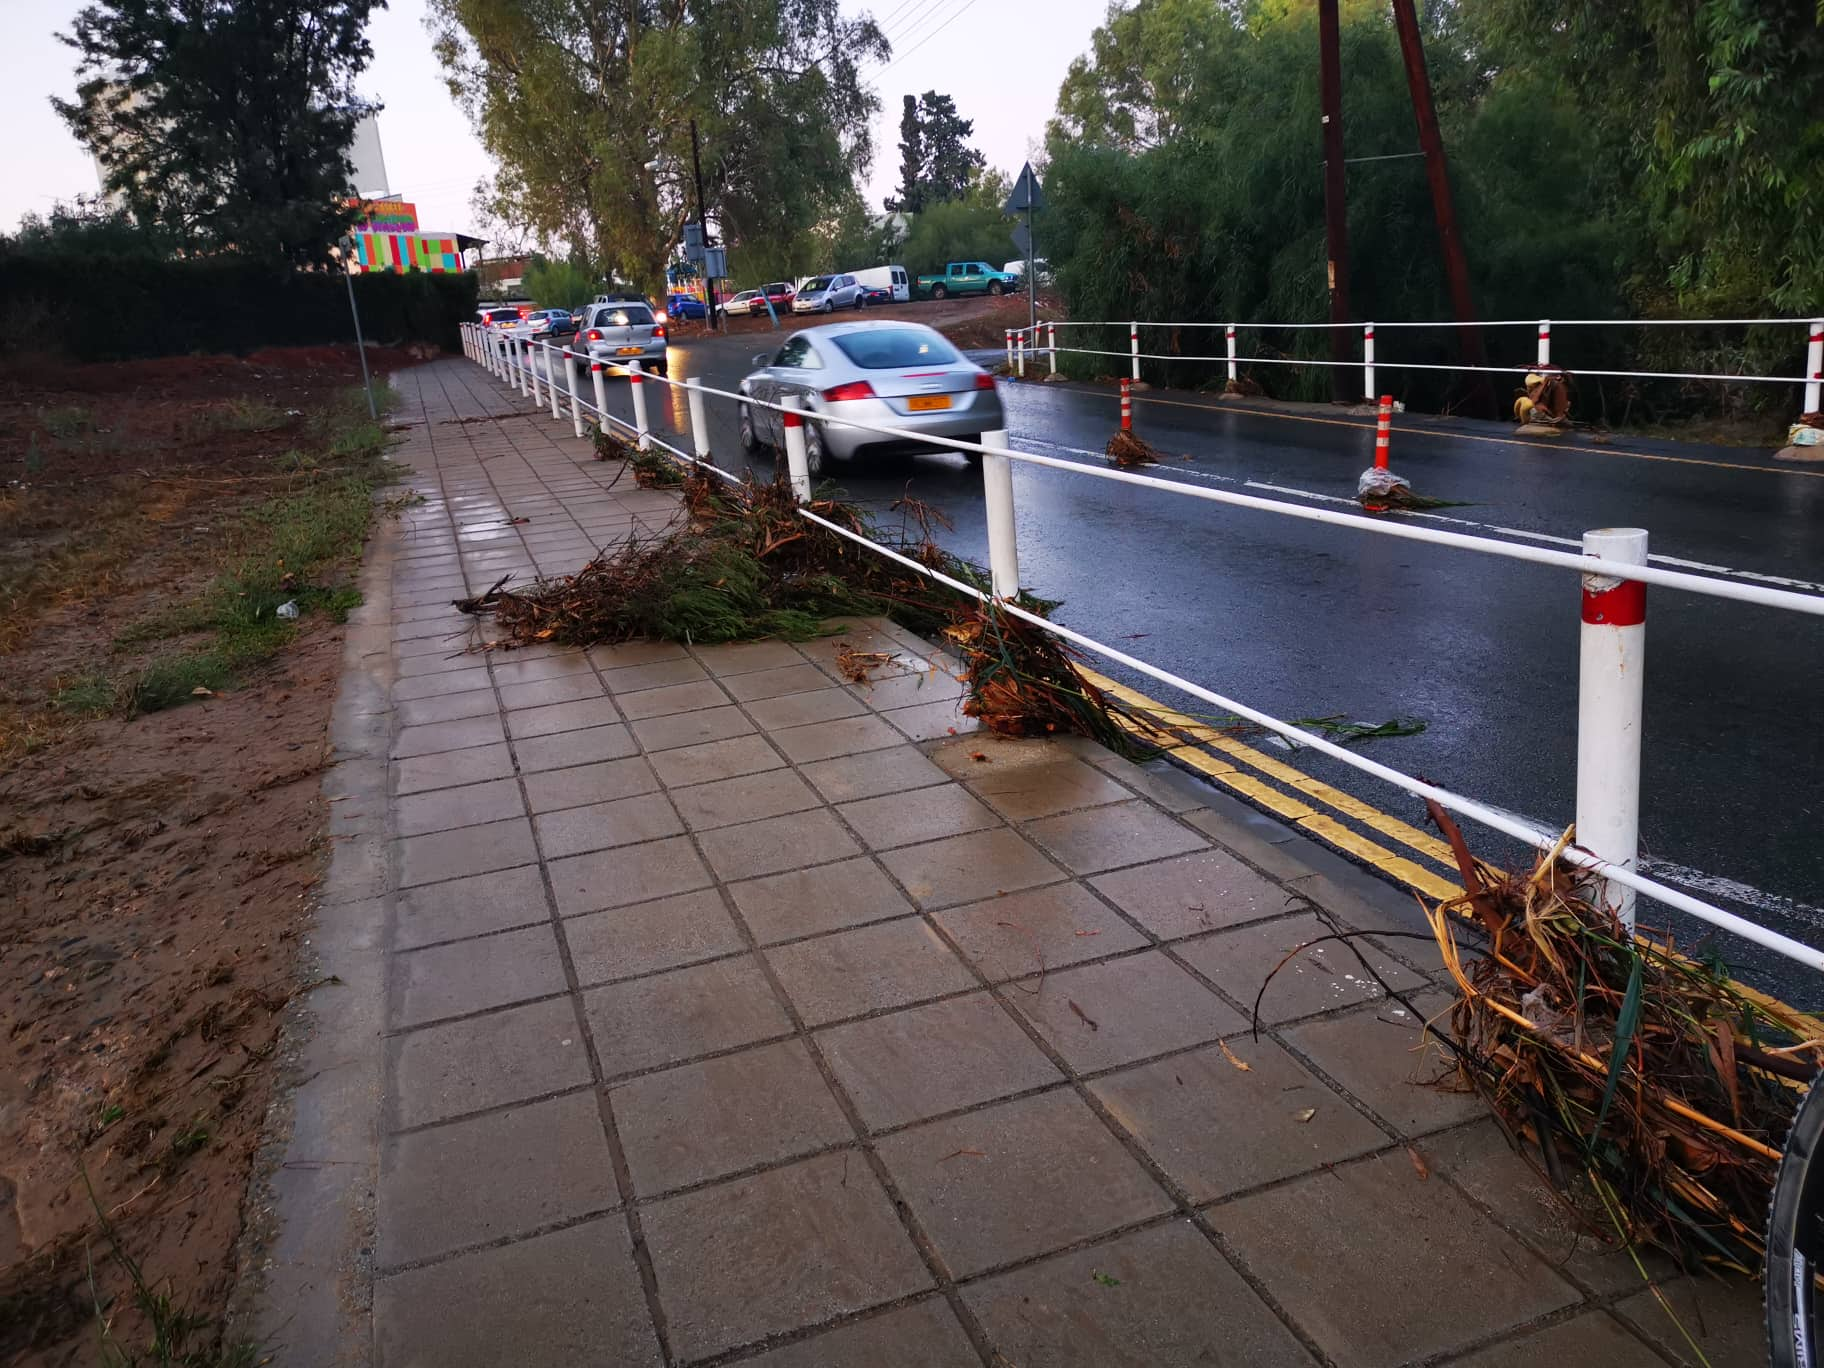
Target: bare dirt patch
[(155, 867)]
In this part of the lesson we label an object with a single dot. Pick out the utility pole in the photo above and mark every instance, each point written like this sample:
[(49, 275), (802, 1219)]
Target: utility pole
[(1456, 265), (1336, 207), (696, 166)]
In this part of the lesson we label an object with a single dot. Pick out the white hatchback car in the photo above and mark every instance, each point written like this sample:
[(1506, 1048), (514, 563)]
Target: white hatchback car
[(828, 293)]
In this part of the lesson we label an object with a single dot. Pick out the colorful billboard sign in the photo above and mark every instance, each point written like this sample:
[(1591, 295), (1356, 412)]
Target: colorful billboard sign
[(407, 251), (387, 216)]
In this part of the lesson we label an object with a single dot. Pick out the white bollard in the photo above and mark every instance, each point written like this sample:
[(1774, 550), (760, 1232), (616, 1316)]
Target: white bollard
[(576, 408), (699, 420), (639, 405), (490, 353), (551, 379), (1019, 355), (1368, 361), (1611, 671), (597, 374), (1051, 345), (1231, 338), (532, 350), (1545, 342), (797, 465), (522, 359), (1133, 346), (1010, 349), (997, 502), (1814, 365)]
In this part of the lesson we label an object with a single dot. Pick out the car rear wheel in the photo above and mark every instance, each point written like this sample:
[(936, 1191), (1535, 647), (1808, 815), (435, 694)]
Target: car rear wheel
[(860, 300), (750, 440), (994, 287), (939, 292), (814, 455)]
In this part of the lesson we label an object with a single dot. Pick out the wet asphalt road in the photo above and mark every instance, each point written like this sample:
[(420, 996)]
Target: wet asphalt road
[(1304, 620)]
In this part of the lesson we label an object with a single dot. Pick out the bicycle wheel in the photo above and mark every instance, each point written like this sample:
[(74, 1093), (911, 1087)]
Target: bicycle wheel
[(1795, 1241)]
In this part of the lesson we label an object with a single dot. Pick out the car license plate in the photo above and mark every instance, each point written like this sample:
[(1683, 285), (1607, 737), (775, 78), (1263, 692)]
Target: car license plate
[(926, 403), (628, 351)]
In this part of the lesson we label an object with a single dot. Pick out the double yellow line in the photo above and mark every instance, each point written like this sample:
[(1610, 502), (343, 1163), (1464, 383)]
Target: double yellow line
[(1290, 793)]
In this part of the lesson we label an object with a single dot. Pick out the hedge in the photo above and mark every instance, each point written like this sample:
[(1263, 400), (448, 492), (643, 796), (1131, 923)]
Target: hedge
[(102, 309)]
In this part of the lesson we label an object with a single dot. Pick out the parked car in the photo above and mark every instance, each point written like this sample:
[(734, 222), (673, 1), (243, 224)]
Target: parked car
[(686, 306), (621, 332), (876, 294), (743, 304), (892, 279), (827, 293), (901, 375), (1040, 268), (780, 294), (546, 324), (966, 278)]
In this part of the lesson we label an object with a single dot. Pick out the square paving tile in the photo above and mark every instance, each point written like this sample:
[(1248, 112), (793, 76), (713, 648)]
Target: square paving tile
[(1346, 1300), (1725, 1318), (442, 682), (561, 717), (965, 868), (444, 809), (584, 784), (715, 760), (443, 855), (647, 937), (448, 736), (1018, 1179), (1595, 1339), (503, 1173), (776, 843), (1193, 893), (574, 748), (801, 709), (537, 693), (717, 1253), (922, 1335), (873, 773), (803, 902), (416, 712), (473, 975), (746, 798), (798, 677), (1215, 1128), (1318, 979), (635, 653), (600, 826), (1027, 791), (691, 728), (886, 693), (653, 674), (481, 1062), (1114, 834), (924, 814), (866, 969), (570, 1297), (473, 765), (931, 721), (1381, 1057), (667, 1018), (744, 657), (520, 668), (699, 1121), (469, 907), (1148, 1299), (1100, 1015), (924, 1061), (845, 736), (639, 873), (1037, 930), (675, 698)]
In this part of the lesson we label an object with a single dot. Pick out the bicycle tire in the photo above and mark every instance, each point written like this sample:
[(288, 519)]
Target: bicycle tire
[(1795, 1241)]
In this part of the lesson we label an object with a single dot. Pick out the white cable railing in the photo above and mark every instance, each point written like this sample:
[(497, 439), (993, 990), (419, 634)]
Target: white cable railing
[(1042, 339), (1613, 622)]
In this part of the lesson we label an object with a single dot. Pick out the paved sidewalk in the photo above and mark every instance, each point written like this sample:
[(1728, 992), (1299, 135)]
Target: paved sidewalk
[(737, 1014)]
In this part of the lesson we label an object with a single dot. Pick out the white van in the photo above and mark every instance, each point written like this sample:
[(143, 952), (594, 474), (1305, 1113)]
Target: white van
[(893, 278)]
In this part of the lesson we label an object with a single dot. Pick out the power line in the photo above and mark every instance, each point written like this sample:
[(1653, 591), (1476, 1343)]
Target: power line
[(916, 22), (954, 16), (898, 10)]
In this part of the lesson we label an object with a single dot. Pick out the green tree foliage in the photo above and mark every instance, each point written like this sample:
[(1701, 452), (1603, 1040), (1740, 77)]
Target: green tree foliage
[(224, 123), (972, 228), (558, 284), (936, 163), (587, 104)]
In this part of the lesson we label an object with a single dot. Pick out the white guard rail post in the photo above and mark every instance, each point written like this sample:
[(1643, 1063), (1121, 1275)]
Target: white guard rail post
[(1010, 349), (1611, 674), (490, 351), (699, 421), (1019, 354), (1133, 346), (551, 379), (522, 358), (576, 408), (599, 380), (532, 351), (796, 463), (1051, 345), (997, 500), (1231, 338), (1368, 361), (1814, 365), (634, 378), (1545, 342)]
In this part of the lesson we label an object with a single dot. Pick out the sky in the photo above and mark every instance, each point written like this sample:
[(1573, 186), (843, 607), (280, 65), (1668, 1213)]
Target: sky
[(1001, 60)]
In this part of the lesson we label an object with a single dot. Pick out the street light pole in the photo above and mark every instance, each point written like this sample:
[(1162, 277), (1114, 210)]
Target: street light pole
[(696, 166), (348, 252)]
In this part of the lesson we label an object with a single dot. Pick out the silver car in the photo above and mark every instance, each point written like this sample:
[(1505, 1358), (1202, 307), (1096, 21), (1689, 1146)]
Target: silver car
[(901, 375), (828, 293), (624, 331)]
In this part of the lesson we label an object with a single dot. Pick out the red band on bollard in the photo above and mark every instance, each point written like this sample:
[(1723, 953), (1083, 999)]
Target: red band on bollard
[(792, 419), (1625, 605)]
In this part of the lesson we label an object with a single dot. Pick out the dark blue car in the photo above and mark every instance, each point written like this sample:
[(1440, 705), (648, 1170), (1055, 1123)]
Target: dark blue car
[(686, 306)]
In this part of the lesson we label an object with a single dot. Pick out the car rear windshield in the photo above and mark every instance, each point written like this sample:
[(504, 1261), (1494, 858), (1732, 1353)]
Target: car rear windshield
[(886, 348), (627, 314), (502, 315), (820, 283)]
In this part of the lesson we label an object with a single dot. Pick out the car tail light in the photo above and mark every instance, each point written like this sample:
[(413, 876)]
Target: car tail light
[(593, 335), (983, 380), (855, 389), (658, 330), (524, 312)]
